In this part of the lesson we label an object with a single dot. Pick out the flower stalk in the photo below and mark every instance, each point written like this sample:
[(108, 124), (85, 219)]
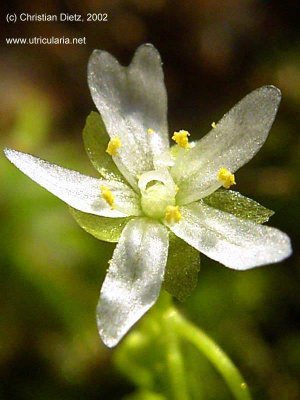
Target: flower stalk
[(174, 360), (214, 353), (166, 331)]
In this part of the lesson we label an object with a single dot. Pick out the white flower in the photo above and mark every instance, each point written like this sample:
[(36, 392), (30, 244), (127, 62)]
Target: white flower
[(163, 189)]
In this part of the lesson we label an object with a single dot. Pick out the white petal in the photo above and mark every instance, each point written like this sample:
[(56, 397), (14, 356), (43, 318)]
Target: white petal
[(134, 278), (164, 160), (236, 243), (232, 143), (132, 100), (79, 191)]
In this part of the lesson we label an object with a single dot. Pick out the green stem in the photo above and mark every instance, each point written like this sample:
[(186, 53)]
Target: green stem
[(215, 354), (175, 360), (140, 376)]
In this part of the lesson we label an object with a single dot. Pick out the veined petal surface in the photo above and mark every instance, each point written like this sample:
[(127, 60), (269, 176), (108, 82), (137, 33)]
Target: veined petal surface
[(132, 100), (79, 191), (232, 143), (134, 278), (236, 243)]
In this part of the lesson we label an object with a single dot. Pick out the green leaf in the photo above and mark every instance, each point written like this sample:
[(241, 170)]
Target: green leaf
[(238, 205), (182, 268), (95, 138), (103, 228)]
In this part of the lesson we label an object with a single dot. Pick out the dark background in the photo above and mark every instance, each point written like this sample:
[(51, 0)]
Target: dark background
[(214, 53)]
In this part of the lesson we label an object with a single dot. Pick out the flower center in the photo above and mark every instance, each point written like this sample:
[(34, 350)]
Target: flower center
[(155, 200), (158, 191)]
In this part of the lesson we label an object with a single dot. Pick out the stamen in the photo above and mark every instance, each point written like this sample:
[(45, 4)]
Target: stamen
[(181, 138), (150, 131), (108, 196), (172, 214), (213, 125), (226, 177), (113, 145)]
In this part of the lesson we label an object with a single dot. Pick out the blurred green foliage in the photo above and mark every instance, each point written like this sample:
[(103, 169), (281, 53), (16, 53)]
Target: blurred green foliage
[(51, 270)]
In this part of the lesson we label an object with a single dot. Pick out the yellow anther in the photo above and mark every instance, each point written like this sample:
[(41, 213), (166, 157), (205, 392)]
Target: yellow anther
[(176, 188), (213, 125), (113, 145), (108, 196), (150, 131), (181, 138), (172, 214), (226, 177)]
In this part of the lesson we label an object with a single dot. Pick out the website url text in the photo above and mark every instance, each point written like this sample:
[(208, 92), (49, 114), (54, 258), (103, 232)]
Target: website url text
[(46, 40)]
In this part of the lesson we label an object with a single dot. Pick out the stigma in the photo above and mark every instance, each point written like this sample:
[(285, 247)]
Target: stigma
[(108, 196), (113, 145), (226, 177), (172, 214), (181, 138)]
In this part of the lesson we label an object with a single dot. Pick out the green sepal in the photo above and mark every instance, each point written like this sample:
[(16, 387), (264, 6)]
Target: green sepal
[(95, 138), (238, 205), (102, 228), (183, 265)]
